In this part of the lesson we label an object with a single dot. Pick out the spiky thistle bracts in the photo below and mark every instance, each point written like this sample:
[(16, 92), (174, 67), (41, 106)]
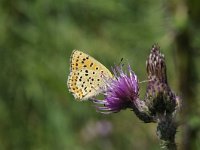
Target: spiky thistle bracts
[(159, 96)]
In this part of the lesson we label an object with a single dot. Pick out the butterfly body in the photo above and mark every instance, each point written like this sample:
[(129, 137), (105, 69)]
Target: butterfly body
[(87, 76)]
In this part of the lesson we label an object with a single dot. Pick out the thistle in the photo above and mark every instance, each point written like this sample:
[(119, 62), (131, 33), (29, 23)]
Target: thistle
[(160, 104), (122, 92), (160, 99)]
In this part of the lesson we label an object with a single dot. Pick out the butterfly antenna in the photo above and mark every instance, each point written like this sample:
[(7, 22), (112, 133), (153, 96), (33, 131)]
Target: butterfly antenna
[(120, 63)]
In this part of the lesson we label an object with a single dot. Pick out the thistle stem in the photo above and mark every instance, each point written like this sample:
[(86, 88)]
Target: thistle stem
[(166, 131)]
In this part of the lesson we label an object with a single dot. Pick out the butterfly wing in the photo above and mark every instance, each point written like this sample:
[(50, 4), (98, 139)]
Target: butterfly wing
[(87, 76)]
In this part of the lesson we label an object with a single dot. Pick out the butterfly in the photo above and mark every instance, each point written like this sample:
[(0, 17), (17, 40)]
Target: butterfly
[(87, 76)]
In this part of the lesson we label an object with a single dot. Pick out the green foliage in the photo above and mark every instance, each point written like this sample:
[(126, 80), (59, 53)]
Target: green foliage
[(36, 40)]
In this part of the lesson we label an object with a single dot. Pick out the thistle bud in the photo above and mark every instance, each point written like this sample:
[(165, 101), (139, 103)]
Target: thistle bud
[(159, 98)]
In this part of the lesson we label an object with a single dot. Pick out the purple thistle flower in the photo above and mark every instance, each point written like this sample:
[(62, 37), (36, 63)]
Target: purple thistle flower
[(121, 92)]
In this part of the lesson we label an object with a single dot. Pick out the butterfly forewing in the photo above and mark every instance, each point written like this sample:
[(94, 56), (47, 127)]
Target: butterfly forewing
[(87, 76)]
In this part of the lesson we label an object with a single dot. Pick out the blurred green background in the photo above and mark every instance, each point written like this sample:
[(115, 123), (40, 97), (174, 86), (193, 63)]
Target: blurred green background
[(36, 40)]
